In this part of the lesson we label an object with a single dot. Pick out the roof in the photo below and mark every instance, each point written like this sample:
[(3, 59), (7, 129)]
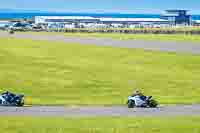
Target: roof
[(4, 21), (170, 15), (197, 21), (104, 19), (134, 19), (176, 10), (65, 17)]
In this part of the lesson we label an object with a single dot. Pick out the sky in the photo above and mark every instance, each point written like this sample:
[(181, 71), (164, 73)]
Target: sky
[(122, 6)]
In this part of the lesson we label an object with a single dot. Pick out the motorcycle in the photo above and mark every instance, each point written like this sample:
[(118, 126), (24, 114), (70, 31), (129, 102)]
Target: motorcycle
[(11, 31), (10, 99), (141, 101)]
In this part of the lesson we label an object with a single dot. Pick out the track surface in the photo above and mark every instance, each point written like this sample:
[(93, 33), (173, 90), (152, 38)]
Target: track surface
[(92, 111), (168, 46), (89, 111)]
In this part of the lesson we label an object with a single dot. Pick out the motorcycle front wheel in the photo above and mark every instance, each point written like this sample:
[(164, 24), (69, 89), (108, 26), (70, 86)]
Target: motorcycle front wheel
[(131, 104), (21, 103), (153, 103)]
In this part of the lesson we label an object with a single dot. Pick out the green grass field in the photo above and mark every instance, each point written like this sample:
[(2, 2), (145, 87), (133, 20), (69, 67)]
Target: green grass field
[(59, 73), (160, 37), (100, 125)]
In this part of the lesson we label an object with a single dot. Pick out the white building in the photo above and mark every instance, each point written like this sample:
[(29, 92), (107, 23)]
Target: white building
[(92, 22), (196, 22)]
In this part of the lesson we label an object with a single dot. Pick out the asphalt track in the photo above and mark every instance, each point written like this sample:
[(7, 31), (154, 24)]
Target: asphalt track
[(92, 111)]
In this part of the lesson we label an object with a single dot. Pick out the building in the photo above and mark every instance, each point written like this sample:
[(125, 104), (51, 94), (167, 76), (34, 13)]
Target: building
[(177, 17), (196, 22), (87, 22), (4, 23)]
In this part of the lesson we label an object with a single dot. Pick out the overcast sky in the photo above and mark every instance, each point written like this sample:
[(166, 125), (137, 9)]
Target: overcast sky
[(123, 6)]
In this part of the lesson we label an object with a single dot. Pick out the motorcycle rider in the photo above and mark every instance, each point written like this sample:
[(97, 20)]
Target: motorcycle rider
[(139, 97), (137, 92)]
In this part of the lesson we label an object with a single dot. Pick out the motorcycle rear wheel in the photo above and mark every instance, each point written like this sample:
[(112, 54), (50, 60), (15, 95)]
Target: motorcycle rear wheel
[(131, 104)]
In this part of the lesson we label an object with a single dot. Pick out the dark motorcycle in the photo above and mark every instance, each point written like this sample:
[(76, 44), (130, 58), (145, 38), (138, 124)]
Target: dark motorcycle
[(10, 99), (11, 31)]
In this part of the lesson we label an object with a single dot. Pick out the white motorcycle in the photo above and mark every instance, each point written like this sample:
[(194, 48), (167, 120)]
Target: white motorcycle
[(141, 101)]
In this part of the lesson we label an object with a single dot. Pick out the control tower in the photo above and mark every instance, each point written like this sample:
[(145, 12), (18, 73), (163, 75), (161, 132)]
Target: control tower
[(177, 17)]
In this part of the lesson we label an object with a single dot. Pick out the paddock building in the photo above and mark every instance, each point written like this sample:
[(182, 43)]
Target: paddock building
[(78, 22)]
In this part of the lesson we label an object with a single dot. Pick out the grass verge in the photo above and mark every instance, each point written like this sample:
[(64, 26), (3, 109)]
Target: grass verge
[(99, 125), (122, 36)]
